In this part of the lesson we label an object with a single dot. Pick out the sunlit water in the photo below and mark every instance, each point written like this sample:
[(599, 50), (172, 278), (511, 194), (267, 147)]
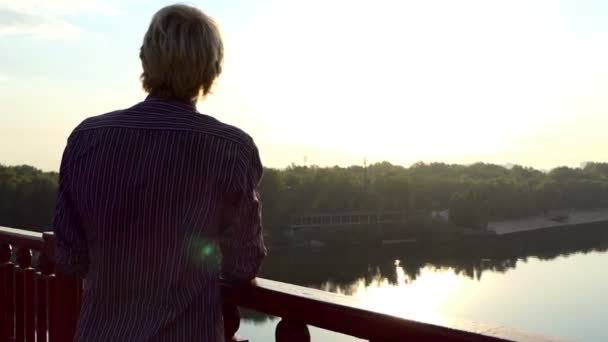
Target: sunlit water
[(564, 297)]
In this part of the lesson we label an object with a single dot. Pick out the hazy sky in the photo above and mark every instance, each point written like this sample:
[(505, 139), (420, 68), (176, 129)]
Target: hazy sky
[(457, 81)]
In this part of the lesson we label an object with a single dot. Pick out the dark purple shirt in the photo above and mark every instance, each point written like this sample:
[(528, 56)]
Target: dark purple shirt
[(156, 202)]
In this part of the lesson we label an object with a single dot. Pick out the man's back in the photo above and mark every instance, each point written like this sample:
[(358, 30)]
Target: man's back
[(145, 194)]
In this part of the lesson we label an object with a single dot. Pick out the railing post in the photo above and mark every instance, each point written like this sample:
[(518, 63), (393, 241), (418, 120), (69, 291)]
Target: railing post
[(67, 298), (65, 295), (232, 321), (7, 306), (290, 331)]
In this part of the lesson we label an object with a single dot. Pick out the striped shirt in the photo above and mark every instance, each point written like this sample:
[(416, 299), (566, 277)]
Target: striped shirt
[(155, 203)]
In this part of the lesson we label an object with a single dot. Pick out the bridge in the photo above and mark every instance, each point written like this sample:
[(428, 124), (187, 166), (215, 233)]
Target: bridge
[(39, 303)]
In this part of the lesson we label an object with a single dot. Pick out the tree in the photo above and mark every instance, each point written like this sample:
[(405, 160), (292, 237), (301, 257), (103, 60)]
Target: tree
[(468, 209)]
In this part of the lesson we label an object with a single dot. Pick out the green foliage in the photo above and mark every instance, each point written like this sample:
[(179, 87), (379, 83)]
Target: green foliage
[(474, 193), (27, 197)]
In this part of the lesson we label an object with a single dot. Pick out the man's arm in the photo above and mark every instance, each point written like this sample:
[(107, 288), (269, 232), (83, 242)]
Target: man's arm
[(242, 241), (72, 255)]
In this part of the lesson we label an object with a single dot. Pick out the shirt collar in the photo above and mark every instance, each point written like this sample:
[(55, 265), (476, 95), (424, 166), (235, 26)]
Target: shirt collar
[(186, 105)]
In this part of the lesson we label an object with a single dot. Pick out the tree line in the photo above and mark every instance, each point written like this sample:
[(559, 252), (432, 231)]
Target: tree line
[(27, 197), (473, 193)]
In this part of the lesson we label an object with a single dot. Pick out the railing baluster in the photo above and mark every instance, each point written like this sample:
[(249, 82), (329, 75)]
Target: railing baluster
[(7, 308), (290, 331), (46, 268), (30, 308), (24, 260), (3, 294), (52, 309)]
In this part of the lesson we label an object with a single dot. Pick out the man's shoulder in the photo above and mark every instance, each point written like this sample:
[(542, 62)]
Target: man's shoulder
[(211, 125), (98, 121)]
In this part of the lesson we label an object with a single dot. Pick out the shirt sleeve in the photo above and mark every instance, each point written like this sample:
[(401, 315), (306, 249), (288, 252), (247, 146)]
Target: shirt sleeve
[(71, 251), (242, 242)]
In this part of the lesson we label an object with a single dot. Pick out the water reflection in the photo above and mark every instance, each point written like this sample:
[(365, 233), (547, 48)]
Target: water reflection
[(430, 270)]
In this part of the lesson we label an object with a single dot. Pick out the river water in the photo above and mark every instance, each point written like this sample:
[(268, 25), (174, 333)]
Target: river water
[(553, 284)]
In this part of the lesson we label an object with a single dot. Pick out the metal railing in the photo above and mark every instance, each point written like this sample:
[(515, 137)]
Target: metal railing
[(37, 303)]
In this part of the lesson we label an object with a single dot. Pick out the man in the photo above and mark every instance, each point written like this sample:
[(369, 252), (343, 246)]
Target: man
[(157, 201)]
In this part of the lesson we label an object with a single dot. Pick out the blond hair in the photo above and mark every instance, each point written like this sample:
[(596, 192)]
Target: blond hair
[(182, 53)]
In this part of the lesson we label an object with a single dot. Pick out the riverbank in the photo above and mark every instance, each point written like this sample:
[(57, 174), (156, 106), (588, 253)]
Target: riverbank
[(439, 231), (553, 219)]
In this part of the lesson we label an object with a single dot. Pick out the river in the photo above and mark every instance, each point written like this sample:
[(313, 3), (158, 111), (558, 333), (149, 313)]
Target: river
[(553, 283)]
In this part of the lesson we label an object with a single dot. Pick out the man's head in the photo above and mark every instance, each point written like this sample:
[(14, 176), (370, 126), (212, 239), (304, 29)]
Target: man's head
[(182, 53)]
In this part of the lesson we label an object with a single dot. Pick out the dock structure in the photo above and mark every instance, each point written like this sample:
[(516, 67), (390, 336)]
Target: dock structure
[(342, 219)]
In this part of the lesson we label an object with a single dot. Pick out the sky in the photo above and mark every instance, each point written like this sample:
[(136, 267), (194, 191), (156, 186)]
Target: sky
[(331, 82)]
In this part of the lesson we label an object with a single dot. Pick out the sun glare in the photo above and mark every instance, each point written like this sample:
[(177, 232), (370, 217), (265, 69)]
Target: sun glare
[(448, 79), (420, 299)]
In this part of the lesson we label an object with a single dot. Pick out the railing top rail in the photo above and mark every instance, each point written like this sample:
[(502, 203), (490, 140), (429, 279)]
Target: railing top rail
[(22, 238), (343, 314)]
